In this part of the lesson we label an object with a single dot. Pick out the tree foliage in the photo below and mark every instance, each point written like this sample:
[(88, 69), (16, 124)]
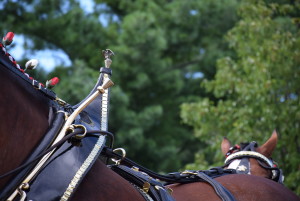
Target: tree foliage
[(164, 51), (160, 46), (156, 49), (257, 90)]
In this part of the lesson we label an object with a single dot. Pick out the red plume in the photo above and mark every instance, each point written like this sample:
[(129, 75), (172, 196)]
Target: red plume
[(52, 82), (8, 39)]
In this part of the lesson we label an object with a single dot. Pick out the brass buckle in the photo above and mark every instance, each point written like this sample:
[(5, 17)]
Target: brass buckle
[(189, 172), (78, 136), (117, 162), (146, 187), (169, 190), (21, 191), (60, 101)]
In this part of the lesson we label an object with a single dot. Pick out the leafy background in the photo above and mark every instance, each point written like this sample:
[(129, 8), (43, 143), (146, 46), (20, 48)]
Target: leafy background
[(187, 73)]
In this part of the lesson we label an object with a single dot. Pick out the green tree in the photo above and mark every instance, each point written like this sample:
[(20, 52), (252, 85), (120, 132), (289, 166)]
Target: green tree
[(160, 49), (257, 91), (160, 44)]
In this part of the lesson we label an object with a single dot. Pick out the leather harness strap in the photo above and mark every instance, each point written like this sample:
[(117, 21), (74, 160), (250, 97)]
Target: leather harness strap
[(133, 175), (37, 153), (63, 140), (221, 191), (149, 185), (174, 177)]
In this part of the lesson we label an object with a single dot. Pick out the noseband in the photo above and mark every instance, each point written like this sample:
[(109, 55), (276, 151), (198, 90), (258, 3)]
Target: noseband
[(238, 159)]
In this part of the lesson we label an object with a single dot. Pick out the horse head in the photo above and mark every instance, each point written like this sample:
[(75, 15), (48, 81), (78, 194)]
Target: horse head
[(249, 158)]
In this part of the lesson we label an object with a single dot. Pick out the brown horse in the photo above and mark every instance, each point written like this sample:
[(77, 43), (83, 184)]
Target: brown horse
[(248, 185), (258, 166), (22, 109), (27, 114)]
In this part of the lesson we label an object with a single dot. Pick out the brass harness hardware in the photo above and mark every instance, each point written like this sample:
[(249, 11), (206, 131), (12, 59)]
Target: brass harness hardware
[(146, 187), (60, 101), (117, 162), (21, 191), (74, 126), (189, 172)]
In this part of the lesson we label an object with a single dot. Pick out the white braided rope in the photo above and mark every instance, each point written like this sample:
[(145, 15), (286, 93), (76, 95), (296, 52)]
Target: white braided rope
[(253, 154), (14, 61)]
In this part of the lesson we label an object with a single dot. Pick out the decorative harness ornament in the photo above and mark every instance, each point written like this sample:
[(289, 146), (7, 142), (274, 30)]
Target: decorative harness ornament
[(103, 126), (8, 60), (252, 154)]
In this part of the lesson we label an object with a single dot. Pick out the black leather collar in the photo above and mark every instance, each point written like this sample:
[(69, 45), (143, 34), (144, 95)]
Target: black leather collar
[(55, 126), (67, 167)]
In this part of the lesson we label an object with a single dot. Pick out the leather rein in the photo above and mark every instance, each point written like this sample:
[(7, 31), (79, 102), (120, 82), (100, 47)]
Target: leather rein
[(171, 178), (176, 177), (73, 137)]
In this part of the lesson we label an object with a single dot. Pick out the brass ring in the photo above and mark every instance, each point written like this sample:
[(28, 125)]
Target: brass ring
[(123, 155), (72, 128), (80, 136)]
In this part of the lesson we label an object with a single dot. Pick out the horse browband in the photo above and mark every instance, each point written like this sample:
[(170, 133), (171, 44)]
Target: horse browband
[(250, 154)]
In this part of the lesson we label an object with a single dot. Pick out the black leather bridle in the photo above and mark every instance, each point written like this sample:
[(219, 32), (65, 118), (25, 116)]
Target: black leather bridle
[(236, 153)]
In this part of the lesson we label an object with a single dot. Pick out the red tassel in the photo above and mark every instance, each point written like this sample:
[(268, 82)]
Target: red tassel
[(8, 39), (51, 83)]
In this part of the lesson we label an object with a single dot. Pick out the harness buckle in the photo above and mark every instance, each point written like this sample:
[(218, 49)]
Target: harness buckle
[(118, 162), (146, 187), (189, 172), (20, 191)]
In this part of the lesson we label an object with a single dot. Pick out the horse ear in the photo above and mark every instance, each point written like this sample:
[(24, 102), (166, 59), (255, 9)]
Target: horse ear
[(225, 146), (269, 146)]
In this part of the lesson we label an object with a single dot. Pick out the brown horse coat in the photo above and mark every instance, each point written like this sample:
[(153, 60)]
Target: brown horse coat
[(243, 187)]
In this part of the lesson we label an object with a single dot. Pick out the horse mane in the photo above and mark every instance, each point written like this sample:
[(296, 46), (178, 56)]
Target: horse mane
[(28, 110)]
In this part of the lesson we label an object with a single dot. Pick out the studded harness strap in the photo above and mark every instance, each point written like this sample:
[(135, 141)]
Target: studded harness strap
[(133, 171)]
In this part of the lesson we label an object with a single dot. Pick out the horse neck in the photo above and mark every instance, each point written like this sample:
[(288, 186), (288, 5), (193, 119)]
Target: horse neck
[(24, 114)]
